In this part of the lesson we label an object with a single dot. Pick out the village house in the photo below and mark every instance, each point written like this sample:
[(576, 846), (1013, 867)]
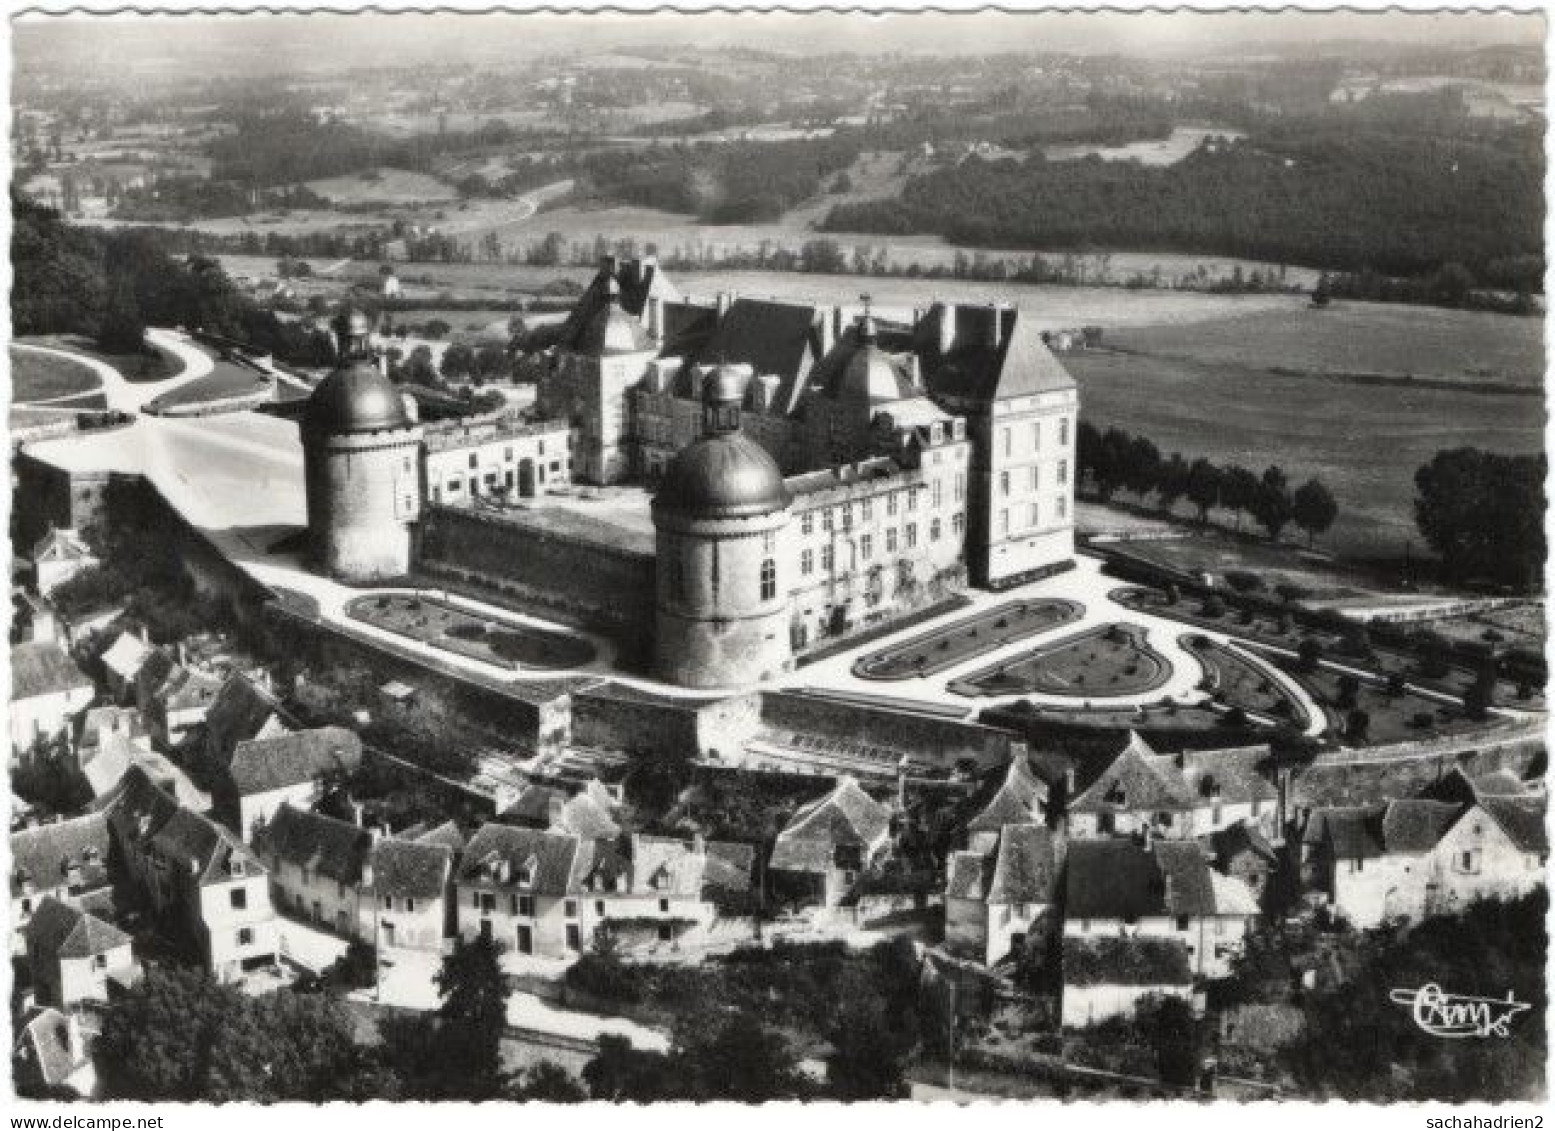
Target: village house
[(829, 843), (587, 813), (995, 900), (48, 692), (122, 663), (1409, 859), (1163, 889), (243, 710), (33, 618), (110, 739), (73, 956), (412, 891), (319, 869), (173, 698), (1175, 795), (523, 888), (53, 1053), (65, 861), (193, 872), (55, 558), (1020, 798), (1242, 851), (294, 768)]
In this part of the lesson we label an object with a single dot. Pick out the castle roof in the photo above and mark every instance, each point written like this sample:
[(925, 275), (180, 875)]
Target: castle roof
[(354, 398), (722, 476)]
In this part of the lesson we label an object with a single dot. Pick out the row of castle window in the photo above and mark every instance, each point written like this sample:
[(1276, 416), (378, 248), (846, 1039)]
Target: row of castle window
[(830, 516), (1063, 477), (1034, 514), (866, 543), (1007, 435)]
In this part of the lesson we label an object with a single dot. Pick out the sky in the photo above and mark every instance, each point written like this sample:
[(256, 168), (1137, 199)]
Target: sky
[(257, 44)]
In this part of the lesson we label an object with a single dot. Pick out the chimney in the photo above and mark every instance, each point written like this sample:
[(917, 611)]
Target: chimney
[(725, 300), (73, 1039), (656, 317), (836, 324), (995, 325), (367, 872), (914, 371), (699, 844), (607, 265), (947, 326), (554, 804)]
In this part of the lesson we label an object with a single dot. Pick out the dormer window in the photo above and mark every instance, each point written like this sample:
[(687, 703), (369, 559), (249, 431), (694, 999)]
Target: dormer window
[(235, 867), (1115, 794)]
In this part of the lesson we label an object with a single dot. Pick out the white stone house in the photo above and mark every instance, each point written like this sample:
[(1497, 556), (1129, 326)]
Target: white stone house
[(1163, 889), (995, 900), (48, 693), (57, 557), (288, 769), (65, 861), (832, 841), (73, 955)]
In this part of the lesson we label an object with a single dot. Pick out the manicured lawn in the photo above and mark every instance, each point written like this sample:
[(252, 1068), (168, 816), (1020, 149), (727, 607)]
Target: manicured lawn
[(453, 629), (46, 377), (226, 380), (1238, 683), (150, 365), (1102, 662), (961, 641)]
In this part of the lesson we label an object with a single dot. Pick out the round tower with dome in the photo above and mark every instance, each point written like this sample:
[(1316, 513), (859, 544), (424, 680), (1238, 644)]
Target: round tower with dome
[(719, 518), (361, 456)]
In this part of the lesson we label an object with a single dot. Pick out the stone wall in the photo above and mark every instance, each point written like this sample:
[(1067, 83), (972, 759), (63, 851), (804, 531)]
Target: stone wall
[(943, 742), (602, 587)]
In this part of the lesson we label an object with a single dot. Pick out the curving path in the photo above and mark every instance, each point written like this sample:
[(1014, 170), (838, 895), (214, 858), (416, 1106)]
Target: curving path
[(124, 395)]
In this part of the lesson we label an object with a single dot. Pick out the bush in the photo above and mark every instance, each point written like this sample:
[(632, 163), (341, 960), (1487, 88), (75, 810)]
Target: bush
[(1349, 688), (1420, 720), (1243, 581), (1214, 607), (1309, 653), (1286, 591), (1396, 685)]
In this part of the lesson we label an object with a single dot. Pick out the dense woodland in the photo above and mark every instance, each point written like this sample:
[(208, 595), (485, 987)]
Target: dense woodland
[(1310, 191)]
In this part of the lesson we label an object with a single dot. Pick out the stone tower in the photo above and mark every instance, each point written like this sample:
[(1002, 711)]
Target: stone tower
[(361, 457), (722, 602)]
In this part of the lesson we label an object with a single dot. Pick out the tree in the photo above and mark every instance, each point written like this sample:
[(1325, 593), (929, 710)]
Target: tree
[(1357, 724), (1313, 508), (1484, 514), (1110, 469), (471, 1019), (1172, 481), (1238, 491), (1142, 466), (458, 361), (1309, 652), (123, 330), (548, 1083), (1477, 701), (1348, 688), (1176, 1038), (620, 1073), (869, 1049), (1203, 486), (1271, 504), (179, 1036), (727, 1054)]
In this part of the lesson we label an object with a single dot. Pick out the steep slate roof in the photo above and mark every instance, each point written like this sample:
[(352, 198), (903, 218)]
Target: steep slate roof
[(44, 854), (845, 816), (1027, 867), (1413, 827), (61, 544), (1352, 832), (1121, 879), (967, 875), (242, 710), (1017, 801), (1021, 365), (447, 834), (332, 848), (188, 689), (145, 816), (780, 339), (1146, 781), (58, 930), (266, 764), (1244, 836), (1235, 772), (1522, 821), (558, 863), (41, 667), (411, 869), (729, 866)]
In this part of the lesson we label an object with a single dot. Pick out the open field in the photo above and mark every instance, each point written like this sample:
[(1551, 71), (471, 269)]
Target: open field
[(1359, 338), (1169, 150), (383, 186), (1364, 441), (45, 377)]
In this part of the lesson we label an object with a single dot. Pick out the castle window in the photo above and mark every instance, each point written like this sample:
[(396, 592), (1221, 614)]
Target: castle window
[(890, 503), (939, 493), (866, 546), (958, 522), (1008, 440), (807, 562), (807, 524), (1063, 430), (960, 486), (912, 500), (934, 531), (1063, 472), (768, 580), (1034, 518), (867, 507), (1036, 435), (1063, 507), (890, 540), (847, 516), (1004, 482), (768, 542), (1036, 476), (1004, 522), (911, 532), (828, 558), (474, 460), (826, 519)]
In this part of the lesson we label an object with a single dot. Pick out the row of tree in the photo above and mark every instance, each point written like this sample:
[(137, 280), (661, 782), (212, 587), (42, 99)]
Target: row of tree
[(1115, 460)]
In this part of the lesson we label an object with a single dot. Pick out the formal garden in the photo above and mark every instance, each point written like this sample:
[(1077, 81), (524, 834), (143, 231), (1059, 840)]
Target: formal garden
[(1241, 685), (1104, 662), (444, 625), (966, 639)]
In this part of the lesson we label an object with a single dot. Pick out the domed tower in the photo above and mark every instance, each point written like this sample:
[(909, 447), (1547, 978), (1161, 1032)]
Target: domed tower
[(722, 572), (361, 453)]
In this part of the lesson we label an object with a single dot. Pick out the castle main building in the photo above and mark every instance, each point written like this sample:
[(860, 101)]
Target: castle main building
[(812, 479)]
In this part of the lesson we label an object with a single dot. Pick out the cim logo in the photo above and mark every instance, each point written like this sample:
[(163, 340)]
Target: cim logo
[(1457, 1015)]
